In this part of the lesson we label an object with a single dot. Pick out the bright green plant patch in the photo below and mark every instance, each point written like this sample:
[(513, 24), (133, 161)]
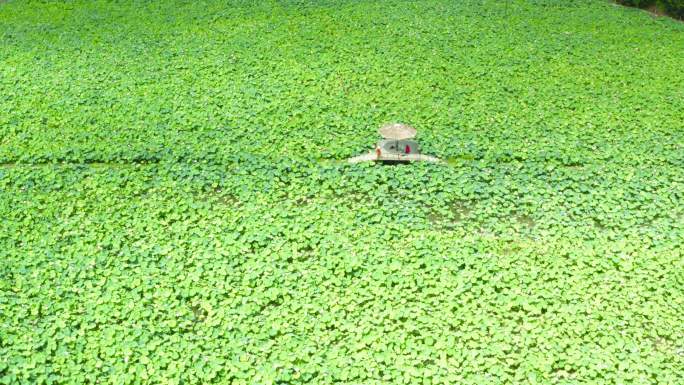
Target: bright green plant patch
[(175, 207)]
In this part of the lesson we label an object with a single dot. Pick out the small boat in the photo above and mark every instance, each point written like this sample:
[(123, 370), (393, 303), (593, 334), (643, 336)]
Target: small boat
[(397, 146)]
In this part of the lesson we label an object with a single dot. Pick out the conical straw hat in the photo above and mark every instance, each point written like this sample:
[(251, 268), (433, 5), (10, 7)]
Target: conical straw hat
[(397, 131)]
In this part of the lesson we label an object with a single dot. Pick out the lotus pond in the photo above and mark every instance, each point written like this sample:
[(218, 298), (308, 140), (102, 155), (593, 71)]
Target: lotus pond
[(175, 207)]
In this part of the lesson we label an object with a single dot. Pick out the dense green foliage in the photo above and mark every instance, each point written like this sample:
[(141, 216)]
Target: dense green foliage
[(673, 8), (175, 208), (637, 3)]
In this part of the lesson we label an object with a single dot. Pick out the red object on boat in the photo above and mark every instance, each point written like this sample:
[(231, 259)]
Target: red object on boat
[(407, 149), (378, 151)]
